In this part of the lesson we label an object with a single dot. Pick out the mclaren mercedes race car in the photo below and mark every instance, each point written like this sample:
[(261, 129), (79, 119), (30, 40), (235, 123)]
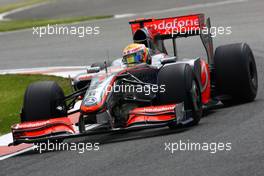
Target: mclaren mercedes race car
[(166, 91)]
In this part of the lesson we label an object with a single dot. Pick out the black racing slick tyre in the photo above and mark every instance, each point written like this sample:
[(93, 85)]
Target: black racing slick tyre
[(81, 124), (180, 86), (43, 100), (236, 73)]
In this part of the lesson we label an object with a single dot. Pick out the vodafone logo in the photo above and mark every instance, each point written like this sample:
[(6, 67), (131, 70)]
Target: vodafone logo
[(176, 24)]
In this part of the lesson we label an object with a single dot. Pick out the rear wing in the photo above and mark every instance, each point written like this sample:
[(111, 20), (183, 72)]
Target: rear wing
[(174, 27), (170, 27)]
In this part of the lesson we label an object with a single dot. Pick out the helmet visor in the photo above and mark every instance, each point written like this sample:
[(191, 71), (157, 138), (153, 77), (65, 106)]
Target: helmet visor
[(134, 58)]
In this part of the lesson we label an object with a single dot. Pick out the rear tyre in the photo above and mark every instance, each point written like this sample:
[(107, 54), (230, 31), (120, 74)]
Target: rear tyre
[(236, 73), (180, 86), (43, 100)]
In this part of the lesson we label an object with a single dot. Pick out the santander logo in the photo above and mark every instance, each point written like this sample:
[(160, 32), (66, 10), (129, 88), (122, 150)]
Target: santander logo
[(157, 109), (32, 125)]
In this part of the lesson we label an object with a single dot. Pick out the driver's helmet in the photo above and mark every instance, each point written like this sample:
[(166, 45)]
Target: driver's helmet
[(135, 54)]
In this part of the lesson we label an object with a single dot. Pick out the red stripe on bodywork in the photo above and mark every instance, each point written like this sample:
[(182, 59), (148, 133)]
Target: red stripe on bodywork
[(149, 119), (152, 114), (206, 83)]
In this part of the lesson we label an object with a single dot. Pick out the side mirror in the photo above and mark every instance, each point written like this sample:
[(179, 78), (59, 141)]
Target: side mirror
[(168, 60), (93, 69)]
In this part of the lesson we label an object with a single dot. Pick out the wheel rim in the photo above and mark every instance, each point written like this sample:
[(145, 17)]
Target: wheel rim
[(81, 124), (253, 74), (196, 96)]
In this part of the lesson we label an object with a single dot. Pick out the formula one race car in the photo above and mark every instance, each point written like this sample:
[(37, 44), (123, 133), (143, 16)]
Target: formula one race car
[(166, 91)]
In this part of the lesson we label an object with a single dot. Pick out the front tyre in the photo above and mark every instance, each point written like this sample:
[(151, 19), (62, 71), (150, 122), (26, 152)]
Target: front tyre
[(43, 100), (180, 86), (81, 124)]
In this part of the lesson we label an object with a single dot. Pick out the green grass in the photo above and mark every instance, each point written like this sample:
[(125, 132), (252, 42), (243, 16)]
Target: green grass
[(25, 3), (12, 88), (22, 24)]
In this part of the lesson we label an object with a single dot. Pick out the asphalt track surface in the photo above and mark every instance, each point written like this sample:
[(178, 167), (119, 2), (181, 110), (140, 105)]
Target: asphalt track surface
[(142, 153), (70, 8)]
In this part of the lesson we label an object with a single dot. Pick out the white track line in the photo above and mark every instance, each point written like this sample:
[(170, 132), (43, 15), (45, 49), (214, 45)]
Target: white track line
[(62, 71), (6, 139), (17, 153), (191, 7), (2, 15), (195, 6), (125, 15), (25, 70)]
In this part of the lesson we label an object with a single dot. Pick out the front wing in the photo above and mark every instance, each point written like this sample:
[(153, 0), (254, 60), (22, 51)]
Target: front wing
[(64, 127)]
